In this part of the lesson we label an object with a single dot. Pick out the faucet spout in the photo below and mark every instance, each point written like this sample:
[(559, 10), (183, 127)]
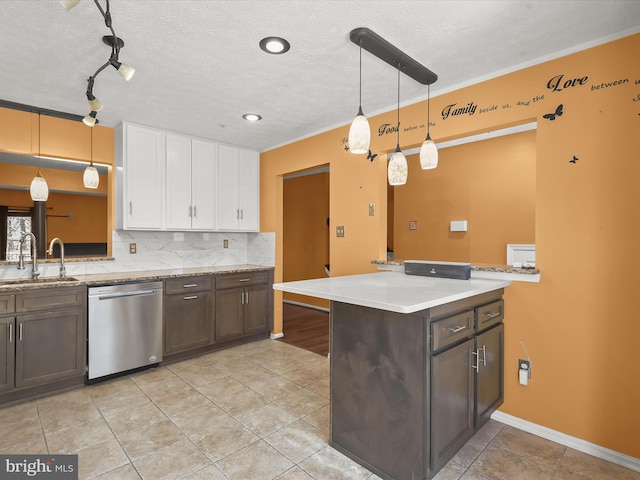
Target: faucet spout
[(63, 270), (35, 273)]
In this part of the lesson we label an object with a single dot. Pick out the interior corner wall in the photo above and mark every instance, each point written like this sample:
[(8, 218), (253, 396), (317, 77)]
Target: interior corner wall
[(306, 232), (579, 323)]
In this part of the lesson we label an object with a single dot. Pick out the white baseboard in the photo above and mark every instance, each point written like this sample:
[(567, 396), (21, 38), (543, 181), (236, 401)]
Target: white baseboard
[(275, 336), (607, 454), (300, 304)]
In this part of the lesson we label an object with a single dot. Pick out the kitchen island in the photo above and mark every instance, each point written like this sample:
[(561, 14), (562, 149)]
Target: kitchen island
[(416, 366)]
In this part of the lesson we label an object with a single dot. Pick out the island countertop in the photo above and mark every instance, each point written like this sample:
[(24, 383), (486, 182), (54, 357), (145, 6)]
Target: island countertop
[(392, 291)]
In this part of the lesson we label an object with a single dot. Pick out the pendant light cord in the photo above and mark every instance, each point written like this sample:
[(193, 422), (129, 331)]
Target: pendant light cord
[(398, 131), (360, 101), (428, 108)]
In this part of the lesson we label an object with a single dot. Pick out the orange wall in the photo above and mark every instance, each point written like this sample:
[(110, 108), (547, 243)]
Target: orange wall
[(491, 184), (579, 323), (306, 243), (87, 225)]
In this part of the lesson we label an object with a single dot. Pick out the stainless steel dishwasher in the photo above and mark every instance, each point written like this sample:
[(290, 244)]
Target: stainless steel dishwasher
[(125, 327)]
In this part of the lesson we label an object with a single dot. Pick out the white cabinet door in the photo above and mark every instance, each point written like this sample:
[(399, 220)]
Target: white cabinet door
[(144, 168), (204, 185), (228, 207), (248, 190), (238, 189), (178, 204)]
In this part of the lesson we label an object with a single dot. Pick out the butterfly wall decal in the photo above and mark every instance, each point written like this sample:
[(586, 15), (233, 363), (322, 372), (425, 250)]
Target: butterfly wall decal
[(574, 159), (552, 116), (371, 156)]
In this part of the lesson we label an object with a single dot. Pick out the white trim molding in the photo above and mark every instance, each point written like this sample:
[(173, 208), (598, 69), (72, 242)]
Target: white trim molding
[(307, 305), (589, 448), (275, 336)]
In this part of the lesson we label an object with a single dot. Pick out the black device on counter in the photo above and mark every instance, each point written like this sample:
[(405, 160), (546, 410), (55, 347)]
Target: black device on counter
[(457, 270)]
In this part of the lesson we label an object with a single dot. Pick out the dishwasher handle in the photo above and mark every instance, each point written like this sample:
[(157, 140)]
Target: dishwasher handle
[(108, 296)]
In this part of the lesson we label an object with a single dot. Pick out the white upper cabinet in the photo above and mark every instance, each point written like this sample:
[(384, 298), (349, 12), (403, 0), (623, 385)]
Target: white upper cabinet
[(140, 161), (239, 187), (204, 185), (178, 179), (167, 181)]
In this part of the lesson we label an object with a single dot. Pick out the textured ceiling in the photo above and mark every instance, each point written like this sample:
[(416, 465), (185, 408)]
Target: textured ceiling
[(199, 67)]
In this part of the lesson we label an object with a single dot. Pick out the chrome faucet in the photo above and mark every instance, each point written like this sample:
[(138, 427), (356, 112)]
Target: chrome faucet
[(63, 270), (34, 272)]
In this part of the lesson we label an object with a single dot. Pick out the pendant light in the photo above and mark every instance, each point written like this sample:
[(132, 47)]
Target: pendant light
[(90, 177), (39, 189), (397, 171), (428, 150), (359, 133)]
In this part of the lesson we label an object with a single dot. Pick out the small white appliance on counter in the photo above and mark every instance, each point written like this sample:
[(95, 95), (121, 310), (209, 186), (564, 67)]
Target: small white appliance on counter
[(125, 328)]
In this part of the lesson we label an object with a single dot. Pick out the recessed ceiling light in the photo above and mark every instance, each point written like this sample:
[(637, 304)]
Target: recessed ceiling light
[(252, 117), (274, 45)]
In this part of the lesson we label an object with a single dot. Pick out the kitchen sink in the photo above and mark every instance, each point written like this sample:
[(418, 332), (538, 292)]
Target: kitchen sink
[(28, 282)]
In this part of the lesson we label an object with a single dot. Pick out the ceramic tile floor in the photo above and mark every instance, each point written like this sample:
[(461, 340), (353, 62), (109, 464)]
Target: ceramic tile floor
[(254, 412)]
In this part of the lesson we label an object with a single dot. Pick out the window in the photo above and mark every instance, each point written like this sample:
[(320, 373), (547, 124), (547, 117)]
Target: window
[(17, 222)]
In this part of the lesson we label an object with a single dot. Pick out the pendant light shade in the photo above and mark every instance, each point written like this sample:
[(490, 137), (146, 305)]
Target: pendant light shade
[(90, 177), (69, 4), (397, 171), (428, 150), (39, 189), (360, 132)]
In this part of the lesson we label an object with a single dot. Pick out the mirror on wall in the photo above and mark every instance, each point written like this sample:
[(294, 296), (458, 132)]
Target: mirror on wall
[(74, 214), (488, 180)]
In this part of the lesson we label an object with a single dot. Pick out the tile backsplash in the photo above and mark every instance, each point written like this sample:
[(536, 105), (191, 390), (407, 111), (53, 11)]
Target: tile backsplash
[(167, 250)]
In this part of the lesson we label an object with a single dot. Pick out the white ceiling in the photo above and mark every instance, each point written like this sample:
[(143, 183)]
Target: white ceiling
[(199, 67)]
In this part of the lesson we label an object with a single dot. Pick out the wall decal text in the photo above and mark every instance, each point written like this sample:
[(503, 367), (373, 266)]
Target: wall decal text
[(609, 84), (558, 83), (447, 111)]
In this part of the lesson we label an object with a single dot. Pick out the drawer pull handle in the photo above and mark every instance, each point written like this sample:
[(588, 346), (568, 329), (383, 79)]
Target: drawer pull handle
[(491, 314), (457, 328), (244, 280), (192, 297), (190, 285)]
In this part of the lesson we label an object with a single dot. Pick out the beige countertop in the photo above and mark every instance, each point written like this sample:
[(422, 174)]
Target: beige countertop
[(9, 286)]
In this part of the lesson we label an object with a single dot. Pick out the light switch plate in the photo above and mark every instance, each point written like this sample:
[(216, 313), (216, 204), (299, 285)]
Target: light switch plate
[(340, 231), (372, 209), (225, 243), (458, 226)]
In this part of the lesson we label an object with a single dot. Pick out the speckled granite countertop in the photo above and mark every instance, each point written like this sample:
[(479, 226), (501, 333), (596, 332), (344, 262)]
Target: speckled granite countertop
[(9, 286), (477, 267)]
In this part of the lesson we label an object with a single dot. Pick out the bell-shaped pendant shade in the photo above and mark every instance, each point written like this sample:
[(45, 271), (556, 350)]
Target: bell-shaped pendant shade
[(69, 4), (91, 179), (428, 154), (359, 134), (397, 171), (39, 188)]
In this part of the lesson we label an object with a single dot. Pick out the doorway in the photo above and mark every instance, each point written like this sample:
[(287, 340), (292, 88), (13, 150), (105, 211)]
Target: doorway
[(306, 254)]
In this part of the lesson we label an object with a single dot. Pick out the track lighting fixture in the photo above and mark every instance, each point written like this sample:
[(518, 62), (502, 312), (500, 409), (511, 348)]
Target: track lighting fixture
[(428, 150), (116, 44), (398, 171), (360, 132)]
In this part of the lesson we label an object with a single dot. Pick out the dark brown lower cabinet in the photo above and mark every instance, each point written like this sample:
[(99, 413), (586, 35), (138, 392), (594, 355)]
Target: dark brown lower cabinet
[(188, 314), (243, 304), (49, 347), (409, 390), (42, 342)]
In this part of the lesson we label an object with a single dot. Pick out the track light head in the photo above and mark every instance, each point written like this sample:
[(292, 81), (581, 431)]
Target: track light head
[(90, 120), (125, 70), (69, 4)]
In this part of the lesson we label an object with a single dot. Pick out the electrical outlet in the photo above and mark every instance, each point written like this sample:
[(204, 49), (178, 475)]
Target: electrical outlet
[(372, 209), (524, 371), (133, 248), (225, 243), (340, 231)]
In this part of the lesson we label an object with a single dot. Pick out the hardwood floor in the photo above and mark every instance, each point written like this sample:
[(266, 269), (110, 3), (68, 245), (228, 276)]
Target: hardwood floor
[(306, 328)]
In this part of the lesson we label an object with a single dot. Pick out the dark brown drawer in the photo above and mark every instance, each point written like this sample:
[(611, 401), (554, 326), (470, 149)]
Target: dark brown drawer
[(489, 315), (451, 329), (7, 304), (51, 298), (188, 284), (241, 279)]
